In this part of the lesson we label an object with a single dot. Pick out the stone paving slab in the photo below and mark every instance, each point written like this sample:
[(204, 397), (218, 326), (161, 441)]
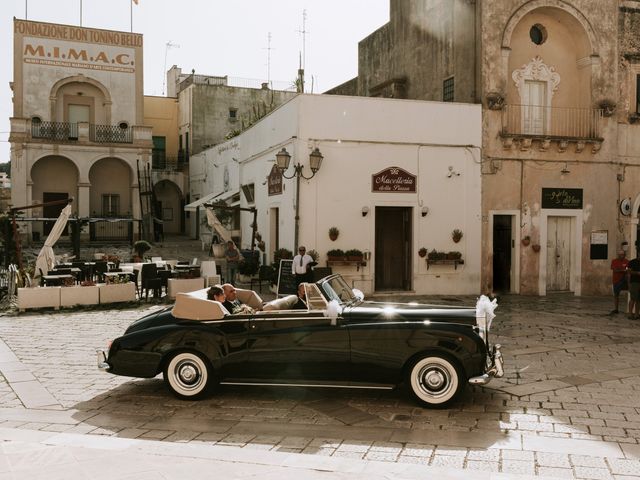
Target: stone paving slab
[(73, 456), (568, 406)]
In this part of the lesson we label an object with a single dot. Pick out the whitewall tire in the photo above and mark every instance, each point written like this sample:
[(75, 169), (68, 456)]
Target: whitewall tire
[(188, 375), (435, 381)]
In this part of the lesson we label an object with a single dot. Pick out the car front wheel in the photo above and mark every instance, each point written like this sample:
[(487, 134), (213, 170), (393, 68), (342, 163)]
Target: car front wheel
[(435, 381), (188, 375)]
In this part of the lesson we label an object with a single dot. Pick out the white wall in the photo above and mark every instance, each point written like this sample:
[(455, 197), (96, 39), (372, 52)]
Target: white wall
[(359, 137)]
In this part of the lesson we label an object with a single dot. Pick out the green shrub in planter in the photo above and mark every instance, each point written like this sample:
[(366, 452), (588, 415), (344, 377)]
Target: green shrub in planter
[(354, 254), (335, 255)]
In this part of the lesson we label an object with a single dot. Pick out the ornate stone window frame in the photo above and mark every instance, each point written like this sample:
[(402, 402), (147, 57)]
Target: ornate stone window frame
[(536, 70)]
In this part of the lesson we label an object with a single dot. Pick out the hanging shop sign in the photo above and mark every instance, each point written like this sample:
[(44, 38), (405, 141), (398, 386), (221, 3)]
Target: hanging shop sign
[(393, 180), (567, 198)]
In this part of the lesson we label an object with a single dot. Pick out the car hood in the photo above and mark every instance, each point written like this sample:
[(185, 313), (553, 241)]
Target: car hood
[(393, 312)]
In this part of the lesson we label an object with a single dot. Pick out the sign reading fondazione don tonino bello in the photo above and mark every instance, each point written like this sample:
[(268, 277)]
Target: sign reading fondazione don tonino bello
[(562, 198), (393, 180)]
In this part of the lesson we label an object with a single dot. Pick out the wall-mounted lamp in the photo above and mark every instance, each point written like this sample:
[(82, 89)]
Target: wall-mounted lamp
[(366, 255), (283, 159), (424, 211), (452, 172), (565, 170), (365, 211)]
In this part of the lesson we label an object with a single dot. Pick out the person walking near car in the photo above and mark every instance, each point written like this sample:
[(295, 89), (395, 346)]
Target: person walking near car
[(619, 278), (302, 264), (633, 277), (233, 259)]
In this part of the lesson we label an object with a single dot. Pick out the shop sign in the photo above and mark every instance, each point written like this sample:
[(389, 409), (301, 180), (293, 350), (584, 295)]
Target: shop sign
[(567, 198), (393, 180), (275, 181)]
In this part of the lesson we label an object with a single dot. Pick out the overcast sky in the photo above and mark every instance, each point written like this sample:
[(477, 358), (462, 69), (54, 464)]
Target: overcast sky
[(216, 37)]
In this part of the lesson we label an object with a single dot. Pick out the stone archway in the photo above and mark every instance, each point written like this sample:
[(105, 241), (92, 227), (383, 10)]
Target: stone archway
[(110, 192), (52, 177), (170, 206)]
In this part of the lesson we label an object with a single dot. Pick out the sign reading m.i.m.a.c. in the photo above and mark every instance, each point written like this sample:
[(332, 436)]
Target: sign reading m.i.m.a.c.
[(562, 198), (393, 180)]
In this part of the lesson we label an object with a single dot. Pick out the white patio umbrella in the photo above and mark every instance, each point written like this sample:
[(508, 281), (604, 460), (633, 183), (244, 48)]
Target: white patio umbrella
[(214, 222), (46, 259)]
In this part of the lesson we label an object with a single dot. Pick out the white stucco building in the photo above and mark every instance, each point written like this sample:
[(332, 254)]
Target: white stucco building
[(397, 175)]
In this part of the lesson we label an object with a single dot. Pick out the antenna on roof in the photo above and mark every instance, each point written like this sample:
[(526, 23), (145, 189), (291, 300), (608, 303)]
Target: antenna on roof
[(269, 48), (167, 46)]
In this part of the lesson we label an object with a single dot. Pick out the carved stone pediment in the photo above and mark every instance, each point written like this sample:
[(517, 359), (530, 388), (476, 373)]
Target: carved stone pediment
[(537, 70)]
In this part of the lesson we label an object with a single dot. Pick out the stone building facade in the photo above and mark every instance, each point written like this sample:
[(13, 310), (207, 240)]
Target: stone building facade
[(558, 81), (211, 108), (77, 126)]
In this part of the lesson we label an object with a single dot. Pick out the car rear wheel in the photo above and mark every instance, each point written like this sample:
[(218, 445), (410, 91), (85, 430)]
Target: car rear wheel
[(435, 381), (188, 375)]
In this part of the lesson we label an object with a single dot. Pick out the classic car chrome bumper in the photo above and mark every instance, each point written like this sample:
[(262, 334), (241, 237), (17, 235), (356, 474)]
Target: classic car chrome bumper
[(102, 359), (496, 370)]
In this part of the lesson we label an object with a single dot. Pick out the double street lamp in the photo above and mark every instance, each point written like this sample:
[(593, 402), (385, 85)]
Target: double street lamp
[(283, 159)]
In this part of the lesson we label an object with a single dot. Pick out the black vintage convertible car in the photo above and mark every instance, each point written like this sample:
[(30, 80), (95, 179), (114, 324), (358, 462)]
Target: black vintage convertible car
[(340, 340)]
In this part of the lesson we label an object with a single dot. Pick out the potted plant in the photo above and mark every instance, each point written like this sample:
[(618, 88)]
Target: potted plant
[(422, 252), (335, 255), (313, 254), (433, 255), (353, 255), (262, 245), (456, 235), (454, 255), (281, 254), (141, 247), (333, 233), (535, 247), (526, 240)]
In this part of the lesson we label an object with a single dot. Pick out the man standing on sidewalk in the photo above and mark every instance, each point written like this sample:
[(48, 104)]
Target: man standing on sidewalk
[(619, 278)]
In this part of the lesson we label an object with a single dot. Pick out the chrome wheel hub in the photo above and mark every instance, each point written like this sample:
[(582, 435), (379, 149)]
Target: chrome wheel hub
[(434, 380), (187, 373)]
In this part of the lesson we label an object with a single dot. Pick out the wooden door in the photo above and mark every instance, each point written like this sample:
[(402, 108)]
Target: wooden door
[(393, 248), (559, 235), (53, 211), (534, 108), (502, 246)]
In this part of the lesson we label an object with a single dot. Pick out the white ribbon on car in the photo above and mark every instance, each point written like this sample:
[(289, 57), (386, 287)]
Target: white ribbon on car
[(484, 313), (333, 311)]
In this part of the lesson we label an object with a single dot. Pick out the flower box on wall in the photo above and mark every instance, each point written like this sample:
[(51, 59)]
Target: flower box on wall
[(117, 292), (77, 295), (38, 297), (183, 285)]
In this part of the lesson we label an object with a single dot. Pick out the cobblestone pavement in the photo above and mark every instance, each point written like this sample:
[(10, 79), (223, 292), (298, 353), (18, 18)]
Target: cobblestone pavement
[(568, 406)]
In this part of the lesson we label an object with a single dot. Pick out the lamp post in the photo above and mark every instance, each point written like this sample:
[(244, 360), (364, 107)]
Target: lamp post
[(283, 159)]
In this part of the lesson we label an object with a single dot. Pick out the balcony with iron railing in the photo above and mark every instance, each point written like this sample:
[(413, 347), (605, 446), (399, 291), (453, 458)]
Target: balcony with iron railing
[(28, 129), (525, 124), (58, 131), (110, 134), (169, 163)]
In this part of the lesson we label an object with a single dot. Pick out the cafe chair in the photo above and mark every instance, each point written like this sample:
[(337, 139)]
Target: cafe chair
[(209, 272), (99, 269), (265, 273), (150, 280)]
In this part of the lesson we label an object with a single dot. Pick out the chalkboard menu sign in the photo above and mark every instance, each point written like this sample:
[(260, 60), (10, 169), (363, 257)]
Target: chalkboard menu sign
[(286, 279), (562, 198)]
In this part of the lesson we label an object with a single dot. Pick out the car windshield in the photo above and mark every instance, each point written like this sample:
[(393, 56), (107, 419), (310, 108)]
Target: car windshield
[(337, 289)]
